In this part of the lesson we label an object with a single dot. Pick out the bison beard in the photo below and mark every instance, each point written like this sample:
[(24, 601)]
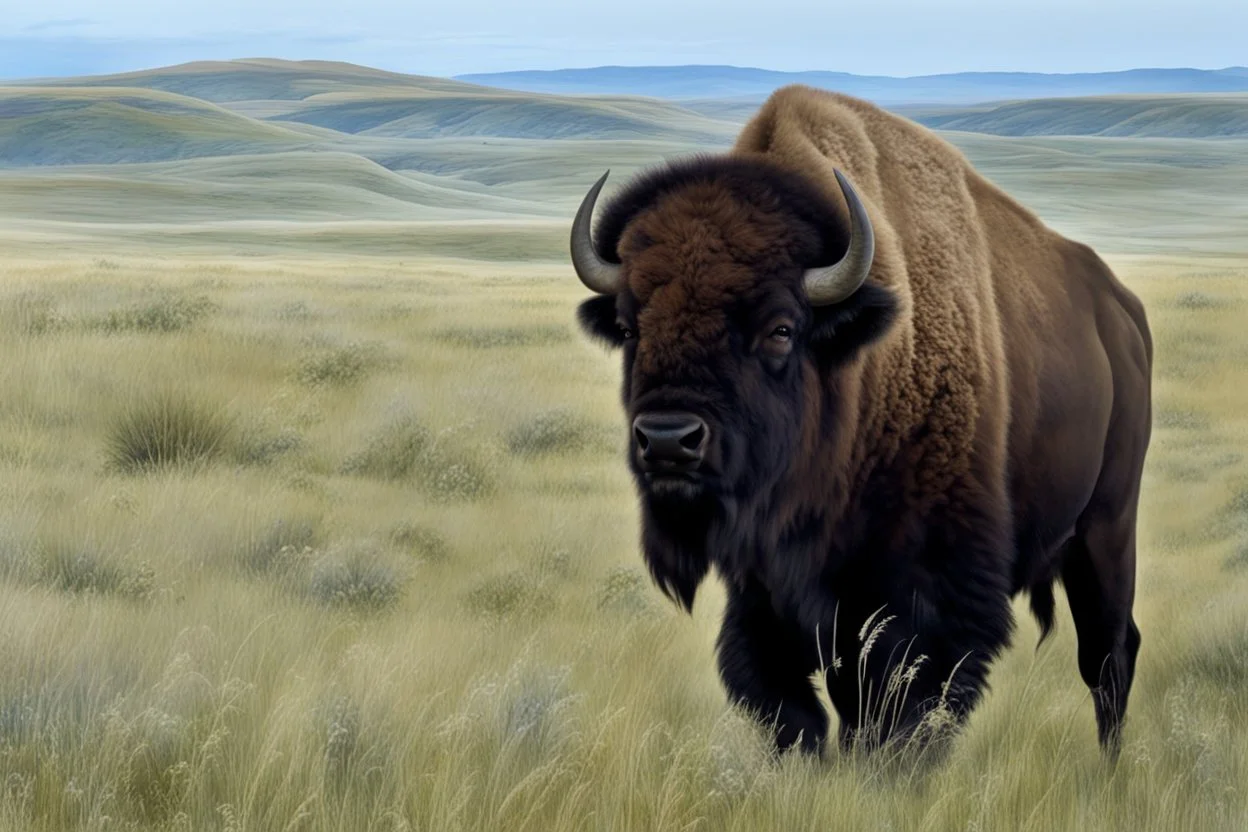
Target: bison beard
[(874, 455)]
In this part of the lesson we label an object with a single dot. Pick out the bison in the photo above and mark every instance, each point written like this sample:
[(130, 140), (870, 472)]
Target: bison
[(880, 398)]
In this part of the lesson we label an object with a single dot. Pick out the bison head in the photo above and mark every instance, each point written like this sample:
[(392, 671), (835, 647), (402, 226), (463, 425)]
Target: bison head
[(733, 287)]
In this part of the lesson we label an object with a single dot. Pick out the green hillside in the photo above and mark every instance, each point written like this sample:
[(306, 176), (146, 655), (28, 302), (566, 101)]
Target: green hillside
[(289, 187), (75, 125), (420, 115), (1154, 116), (261, 79), (348, 145)]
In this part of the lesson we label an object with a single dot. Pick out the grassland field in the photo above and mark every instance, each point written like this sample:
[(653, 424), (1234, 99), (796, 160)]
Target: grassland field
[(313, 513)]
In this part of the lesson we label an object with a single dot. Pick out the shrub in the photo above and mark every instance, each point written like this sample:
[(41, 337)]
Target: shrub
[(263, 552), (1181, 419), (624, 590), (18, 563), (355, 580), (555, 431), (1239, 558), (166, 313), (393, 452), (296, 310), (257, 446), (405, 449), (554, 562), (32, 313), (491, 337), (80, 571), (421, 541), (512, 593), (1220, 659), (447, 476), (1198, 300), (167, 429), (339, 366)]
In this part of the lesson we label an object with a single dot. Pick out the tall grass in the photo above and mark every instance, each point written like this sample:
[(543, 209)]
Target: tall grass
[(166, 429), (274, 608)]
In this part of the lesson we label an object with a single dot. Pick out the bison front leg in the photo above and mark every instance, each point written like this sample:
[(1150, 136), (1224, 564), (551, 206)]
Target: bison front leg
[(766, 665)]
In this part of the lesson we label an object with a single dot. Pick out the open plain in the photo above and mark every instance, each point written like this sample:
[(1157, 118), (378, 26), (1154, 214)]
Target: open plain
[(314, 515)]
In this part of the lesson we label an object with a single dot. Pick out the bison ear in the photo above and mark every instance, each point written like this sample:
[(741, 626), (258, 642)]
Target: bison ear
[(839, 331), (598, 318)]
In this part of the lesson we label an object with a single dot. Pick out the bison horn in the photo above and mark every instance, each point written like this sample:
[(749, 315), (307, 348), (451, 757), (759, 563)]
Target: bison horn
[(596, 273), (832, 284)]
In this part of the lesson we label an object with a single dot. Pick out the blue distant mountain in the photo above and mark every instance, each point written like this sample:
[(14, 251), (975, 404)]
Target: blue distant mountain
[(693, 82)]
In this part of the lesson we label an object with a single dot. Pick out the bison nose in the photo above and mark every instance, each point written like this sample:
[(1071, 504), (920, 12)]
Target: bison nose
[(670, 438)]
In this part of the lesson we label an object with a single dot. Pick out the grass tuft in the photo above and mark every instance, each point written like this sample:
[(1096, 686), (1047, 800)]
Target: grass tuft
[(421, 541), (32, 313), (354, 579), (167, 430), (165, 314), (258, 446), (263, 552), (404, 449), (80, 571), (339, 366), (625, 590), (511, 336), (551, 432), (393, 452), (510, 594)]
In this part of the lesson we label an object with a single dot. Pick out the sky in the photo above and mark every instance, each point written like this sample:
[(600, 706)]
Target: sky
[(451, 37)]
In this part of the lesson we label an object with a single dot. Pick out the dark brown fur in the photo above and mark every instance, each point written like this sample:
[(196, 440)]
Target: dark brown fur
[(970, 424)]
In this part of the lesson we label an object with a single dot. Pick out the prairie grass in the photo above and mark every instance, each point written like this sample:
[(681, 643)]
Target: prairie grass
[(402, 590)]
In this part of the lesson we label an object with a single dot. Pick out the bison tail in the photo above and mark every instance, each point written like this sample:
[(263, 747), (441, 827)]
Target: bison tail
[(1042, 608)]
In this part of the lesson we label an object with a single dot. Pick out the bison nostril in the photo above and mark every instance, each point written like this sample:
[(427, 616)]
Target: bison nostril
[(693, 439), (667, 439)]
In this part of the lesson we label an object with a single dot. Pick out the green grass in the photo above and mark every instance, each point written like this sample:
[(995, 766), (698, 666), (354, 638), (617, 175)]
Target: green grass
[(166, 429), (314, 515), (495, 113), (68, 126), (264, 79), (342, 635)]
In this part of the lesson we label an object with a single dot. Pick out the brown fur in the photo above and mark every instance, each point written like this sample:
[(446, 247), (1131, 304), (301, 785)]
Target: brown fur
[(987, 440)]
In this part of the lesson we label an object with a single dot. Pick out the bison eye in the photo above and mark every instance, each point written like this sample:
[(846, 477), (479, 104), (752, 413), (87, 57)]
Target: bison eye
[(782, 333), (626, 333)]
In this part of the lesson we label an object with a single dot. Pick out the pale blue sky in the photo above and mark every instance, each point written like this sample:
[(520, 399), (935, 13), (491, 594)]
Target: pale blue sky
[(886, 37)]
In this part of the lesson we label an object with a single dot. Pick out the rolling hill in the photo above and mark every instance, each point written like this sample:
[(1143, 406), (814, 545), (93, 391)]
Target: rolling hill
[(85, 125), (260, 79), (258, 106), (1172, 116), (506, 115), (956, 88), (330, 155), (294, 186)]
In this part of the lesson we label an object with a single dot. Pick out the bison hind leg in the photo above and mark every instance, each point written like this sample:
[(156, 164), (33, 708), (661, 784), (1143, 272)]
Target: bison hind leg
[(1098, 577), (1042, 608)]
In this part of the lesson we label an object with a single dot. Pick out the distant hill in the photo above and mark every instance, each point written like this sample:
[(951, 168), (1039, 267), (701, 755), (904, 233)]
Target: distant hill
[(75, 125), (965, 87), (284, 156), (295, 187), (418, 115), (1174, 116), (259, 79), (255, 106)]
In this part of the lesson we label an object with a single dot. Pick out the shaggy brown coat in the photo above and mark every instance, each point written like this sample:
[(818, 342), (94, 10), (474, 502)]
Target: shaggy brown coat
[(982, 433)]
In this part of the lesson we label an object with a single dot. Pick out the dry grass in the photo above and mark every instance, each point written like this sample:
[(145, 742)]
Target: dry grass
[(403, 592)]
